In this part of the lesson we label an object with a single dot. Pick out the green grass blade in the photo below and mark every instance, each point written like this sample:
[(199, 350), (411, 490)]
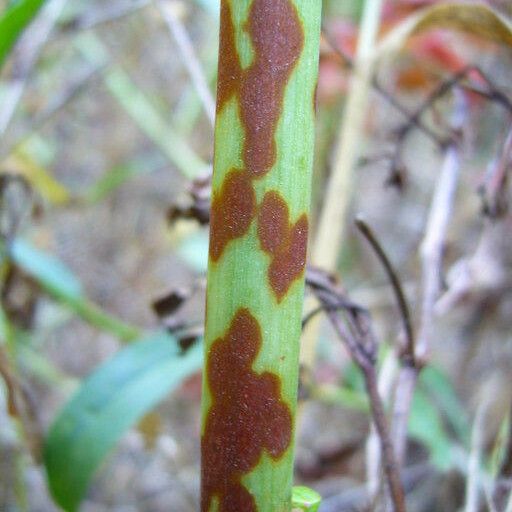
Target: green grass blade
[(59, 282), (305, 499), (109, 402), (142, 110), (46, 269), (118, 175), (13, 21)]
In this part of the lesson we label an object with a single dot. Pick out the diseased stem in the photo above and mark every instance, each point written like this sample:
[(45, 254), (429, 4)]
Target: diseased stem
[(264, 137)]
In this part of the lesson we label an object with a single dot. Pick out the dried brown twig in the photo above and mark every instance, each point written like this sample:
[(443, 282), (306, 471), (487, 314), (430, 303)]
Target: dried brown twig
[(20, 405), (388, 96), (358, 499), (459, 79), (403, 306), (354, 330), (494, 190), (198, 205), (413, 120), (407, 354)]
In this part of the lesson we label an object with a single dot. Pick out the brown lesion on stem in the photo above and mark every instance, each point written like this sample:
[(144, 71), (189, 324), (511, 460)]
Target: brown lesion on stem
[(277, 37), (230, 71), (284, 242), (247, 417), (232, 211)]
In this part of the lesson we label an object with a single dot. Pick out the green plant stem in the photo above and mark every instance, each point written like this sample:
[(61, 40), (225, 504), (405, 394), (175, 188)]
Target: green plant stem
[(339, 190), (264, 141), (103, 321)]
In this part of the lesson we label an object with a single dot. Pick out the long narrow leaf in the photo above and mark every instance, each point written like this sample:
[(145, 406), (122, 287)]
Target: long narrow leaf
[(13, 21), (59, 282), (110, 401)]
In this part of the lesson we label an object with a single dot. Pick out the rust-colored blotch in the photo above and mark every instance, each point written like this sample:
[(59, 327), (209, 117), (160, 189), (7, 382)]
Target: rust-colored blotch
[(232, 211), (247, 417), (229, 62), (273, 222), (284, 242), (288, 265), (278, 39)]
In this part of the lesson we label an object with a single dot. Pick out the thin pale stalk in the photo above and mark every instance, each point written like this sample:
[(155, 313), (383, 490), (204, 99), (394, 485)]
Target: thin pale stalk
[(141, 109), (264, 138), (509, 504), (431, 252), (189, 58), (473, 481), (26, 54), (373, 461), (326, 247)]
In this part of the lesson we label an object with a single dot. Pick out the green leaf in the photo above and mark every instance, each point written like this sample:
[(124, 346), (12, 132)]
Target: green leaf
[(109, 402), (441, 390), (13, 21), (426, 425), (119, 175), (51, 274), (306, 499), (142, 110)]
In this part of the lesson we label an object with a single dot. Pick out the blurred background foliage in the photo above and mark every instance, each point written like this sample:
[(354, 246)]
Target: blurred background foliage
[(102, 275)]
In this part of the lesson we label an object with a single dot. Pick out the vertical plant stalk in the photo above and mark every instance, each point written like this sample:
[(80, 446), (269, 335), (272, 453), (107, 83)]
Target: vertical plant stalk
[(431, 251), (264, 140), (474, 478), (189, 58), (30, 46), (326, 247)]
